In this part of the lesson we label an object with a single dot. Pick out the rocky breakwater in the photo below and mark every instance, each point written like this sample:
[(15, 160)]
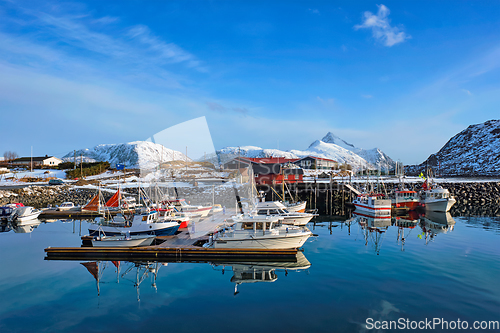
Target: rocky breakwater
[(45, 196), (475, 198)]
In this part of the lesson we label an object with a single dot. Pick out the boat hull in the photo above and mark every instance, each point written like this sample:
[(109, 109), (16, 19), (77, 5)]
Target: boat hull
[(297, 208), (297, 220), (287, 242), (158, 229), (439, 205), (117, 241)]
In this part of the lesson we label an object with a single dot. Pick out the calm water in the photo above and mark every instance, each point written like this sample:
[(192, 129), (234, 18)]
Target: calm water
[(358, 270)]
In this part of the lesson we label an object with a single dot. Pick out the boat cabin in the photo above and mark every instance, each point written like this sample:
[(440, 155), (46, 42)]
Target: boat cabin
[(405, 195), (437, 193)]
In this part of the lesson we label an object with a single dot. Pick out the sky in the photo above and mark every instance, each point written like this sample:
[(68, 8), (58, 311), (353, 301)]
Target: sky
[(403, 76)]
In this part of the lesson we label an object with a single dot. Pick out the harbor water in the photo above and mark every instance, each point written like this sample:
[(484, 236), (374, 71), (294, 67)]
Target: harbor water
[(352, 273)]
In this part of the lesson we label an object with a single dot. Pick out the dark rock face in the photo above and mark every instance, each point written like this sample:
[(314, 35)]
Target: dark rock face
[(473, 152)]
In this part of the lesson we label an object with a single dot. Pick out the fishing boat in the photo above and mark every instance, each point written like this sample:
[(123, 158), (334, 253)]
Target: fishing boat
[(405, 199), (278, 209), (437, 199), (373, 204), (22, 214), (259, 232), (124, 240), (147, 222)]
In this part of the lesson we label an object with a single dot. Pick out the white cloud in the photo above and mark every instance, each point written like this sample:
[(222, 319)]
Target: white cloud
[(314, 11), (381, 28)]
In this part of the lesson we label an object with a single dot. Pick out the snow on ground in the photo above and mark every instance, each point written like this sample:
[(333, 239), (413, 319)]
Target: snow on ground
[(14, 176)]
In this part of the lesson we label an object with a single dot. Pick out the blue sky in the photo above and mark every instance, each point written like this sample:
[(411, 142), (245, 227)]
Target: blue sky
[(403, 76)]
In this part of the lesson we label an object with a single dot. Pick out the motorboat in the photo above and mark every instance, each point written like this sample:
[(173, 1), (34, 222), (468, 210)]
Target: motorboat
[(22, 214), (5, 212), (125, 240), (259, 232), (373, 204), (148, 222), (182, 206), (296, 207), (68, 206), (437, 199), (277, 208)]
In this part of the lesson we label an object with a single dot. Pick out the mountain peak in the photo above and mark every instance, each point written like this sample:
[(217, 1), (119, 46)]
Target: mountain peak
[(332, 138)]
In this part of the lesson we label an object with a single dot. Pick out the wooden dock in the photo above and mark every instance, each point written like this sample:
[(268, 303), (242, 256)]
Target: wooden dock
[(167, 254)]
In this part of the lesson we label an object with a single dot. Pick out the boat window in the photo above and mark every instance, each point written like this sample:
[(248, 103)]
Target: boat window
[(285, 211), (145, 218), (247, 226), (273, 212), (262, 212), (258, 225)]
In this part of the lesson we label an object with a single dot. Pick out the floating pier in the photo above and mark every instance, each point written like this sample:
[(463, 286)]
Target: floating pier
[(175, 254)]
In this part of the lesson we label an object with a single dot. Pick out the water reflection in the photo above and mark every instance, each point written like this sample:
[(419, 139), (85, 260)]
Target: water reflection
[(434, 223), (135, 272), (244, 272), (253, 272), (20, 227), (374, 228)]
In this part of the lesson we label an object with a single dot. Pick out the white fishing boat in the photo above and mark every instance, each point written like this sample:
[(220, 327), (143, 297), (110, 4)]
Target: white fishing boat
[(437, 199), (21, 214), (123, 240), (259, 232), (373, 204), (278, 209), (148, 222)]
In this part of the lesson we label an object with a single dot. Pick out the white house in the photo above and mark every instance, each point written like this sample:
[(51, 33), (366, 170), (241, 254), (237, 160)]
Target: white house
[(49, 161)]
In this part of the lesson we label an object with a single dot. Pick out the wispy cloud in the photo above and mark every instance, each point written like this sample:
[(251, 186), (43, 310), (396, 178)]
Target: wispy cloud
[(381, 28), (314, 11), (101, 36), (367, 96)]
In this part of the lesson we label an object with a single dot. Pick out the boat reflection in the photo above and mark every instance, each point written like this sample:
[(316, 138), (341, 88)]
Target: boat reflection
[(374, 228), (434, 223), (137, 272), (253, 272), (142, 271), (26, 226), (409, 222)]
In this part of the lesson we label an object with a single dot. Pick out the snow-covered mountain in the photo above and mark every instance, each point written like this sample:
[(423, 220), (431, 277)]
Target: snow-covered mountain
[(373, 156), (331, 147), (137, 154), (472, 152)]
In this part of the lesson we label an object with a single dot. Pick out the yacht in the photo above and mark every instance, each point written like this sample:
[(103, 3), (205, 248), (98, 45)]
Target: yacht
[(277, 208), (259, 232)]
